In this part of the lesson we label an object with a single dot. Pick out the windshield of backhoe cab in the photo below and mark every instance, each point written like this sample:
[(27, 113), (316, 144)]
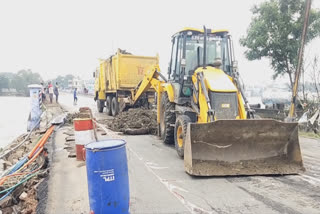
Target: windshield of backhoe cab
[(217, 48)]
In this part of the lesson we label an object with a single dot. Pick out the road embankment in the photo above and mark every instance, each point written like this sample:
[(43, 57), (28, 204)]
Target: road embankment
[(24, 167)]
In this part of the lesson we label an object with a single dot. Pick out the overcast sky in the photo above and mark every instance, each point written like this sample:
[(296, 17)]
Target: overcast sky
[(63, 36)]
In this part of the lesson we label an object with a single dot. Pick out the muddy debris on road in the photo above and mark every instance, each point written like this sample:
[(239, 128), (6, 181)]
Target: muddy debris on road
[(134, 122)]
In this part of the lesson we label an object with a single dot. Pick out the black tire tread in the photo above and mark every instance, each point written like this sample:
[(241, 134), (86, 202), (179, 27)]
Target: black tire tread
[(170, 118), (114, 110), (183, 120), (100, 106), (108, 109)]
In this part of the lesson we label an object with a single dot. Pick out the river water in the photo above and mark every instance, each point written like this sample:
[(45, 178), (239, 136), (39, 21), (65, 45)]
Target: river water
[(14, 112)]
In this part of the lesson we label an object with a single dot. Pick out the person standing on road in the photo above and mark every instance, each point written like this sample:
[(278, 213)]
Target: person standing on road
[(75, 98), (56, 92), (50, 88), (43, 93)]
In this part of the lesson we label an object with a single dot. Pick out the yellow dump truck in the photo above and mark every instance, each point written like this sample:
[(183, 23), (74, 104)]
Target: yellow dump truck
[(117, 77)]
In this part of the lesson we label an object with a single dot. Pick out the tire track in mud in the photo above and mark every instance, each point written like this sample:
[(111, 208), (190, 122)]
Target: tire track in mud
[(284, 194), (279, 207)]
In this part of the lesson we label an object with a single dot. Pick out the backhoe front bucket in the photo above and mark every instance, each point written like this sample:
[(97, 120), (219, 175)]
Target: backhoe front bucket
[(242, 147)]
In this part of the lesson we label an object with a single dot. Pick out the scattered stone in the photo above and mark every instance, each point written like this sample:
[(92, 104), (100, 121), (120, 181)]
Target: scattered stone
[(19, 153), (7, 202), (81, 164), (7, 210), (14, 161), (67, 147), (16, 209), (41, 131), (69, 133), (35, 187), (72, 155), (23, 196), (5, 165), (70, 138)]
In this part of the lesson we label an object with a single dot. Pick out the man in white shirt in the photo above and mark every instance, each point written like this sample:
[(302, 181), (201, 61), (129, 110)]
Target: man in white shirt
[(50, 87)]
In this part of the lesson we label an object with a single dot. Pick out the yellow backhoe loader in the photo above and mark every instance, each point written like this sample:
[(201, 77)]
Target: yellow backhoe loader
[(201, 108)]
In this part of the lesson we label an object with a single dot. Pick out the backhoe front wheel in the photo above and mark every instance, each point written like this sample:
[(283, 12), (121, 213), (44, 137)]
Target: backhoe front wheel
[(180, 133), (167, 120)]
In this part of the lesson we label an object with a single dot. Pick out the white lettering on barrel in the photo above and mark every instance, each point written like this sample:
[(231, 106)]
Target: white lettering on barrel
[(106, 175)]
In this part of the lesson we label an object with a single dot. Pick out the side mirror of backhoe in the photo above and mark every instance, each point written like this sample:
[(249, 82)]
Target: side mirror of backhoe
[(94, 74)]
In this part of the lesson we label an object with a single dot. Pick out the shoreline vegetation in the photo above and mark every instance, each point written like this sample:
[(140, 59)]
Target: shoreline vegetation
[(17, 83), (12, 94)]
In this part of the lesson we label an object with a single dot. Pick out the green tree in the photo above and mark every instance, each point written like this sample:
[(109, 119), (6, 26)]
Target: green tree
[(24, 78), (63, 81), (4, 81), (275, 33)]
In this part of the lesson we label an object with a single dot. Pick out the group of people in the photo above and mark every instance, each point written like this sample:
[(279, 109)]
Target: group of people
[(50, 90), (54, 90)]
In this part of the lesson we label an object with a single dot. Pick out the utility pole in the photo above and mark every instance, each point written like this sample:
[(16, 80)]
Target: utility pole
[(300, 62)]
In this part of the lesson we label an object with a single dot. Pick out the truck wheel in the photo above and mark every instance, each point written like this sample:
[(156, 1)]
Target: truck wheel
[(108, 105), (167, 120), (114, 106), (180, 131), (100, 105)]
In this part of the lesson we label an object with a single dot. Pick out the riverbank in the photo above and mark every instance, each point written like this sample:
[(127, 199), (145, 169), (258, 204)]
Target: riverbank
[(24, 168)]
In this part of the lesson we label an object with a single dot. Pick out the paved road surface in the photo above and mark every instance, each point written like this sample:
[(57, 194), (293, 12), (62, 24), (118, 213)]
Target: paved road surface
[(158, 183)]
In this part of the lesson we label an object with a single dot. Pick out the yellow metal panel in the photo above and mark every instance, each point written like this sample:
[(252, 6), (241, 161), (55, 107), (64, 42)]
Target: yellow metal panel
[(123, 71), (131, 69), (216, 80), (169, 89), (102, 84), (241, 108), (102, 95), (101, 80), (201, 30)]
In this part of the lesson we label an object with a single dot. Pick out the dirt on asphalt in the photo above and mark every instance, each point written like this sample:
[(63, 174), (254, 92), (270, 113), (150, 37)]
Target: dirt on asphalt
[(135, 121)]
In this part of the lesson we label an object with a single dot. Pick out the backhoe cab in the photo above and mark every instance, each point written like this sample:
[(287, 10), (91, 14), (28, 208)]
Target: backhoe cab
[(205, 59)]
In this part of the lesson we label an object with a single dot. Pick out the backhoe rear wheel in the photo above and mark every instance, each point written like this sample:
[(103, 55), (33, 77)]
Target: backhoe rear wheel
[(167, 119), (180, 131), (100, 105), (108, 105)]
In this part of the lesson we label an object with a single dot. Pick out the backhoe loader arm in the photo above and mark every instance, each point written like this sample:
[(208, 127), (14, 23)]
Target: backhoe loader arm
[(236, 79), (205, 93), (150, 80)]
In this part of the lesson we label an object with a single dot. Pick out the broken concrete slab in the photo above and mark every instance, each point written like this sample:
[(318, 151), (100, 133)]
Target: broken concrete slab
[(23, 196)]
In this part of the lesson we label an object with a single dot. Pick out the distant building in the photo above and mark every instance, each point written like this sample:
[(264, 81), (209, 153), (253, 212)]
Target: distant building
[(89, 85)]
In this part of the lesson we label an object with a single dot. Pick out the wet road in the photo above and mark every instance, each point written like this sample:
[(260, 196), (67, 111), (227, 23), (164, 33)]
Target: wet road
[(158, 183)]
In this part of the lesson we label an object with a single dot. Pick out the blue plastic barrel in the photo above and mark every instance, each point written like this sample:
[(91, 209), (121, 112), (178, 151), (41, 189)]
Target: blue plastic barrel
[(108, 180)]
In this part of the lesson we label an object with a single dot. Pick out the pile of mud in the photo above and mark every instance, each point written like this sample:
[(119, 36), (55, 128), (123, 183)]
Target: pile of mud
[(135, 121), (83, 113)]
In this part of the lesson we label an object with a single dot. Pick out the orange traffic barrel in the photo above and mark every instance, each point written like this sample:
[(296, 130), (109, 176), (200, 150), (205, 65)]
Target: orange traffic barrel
[(83, 134)]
